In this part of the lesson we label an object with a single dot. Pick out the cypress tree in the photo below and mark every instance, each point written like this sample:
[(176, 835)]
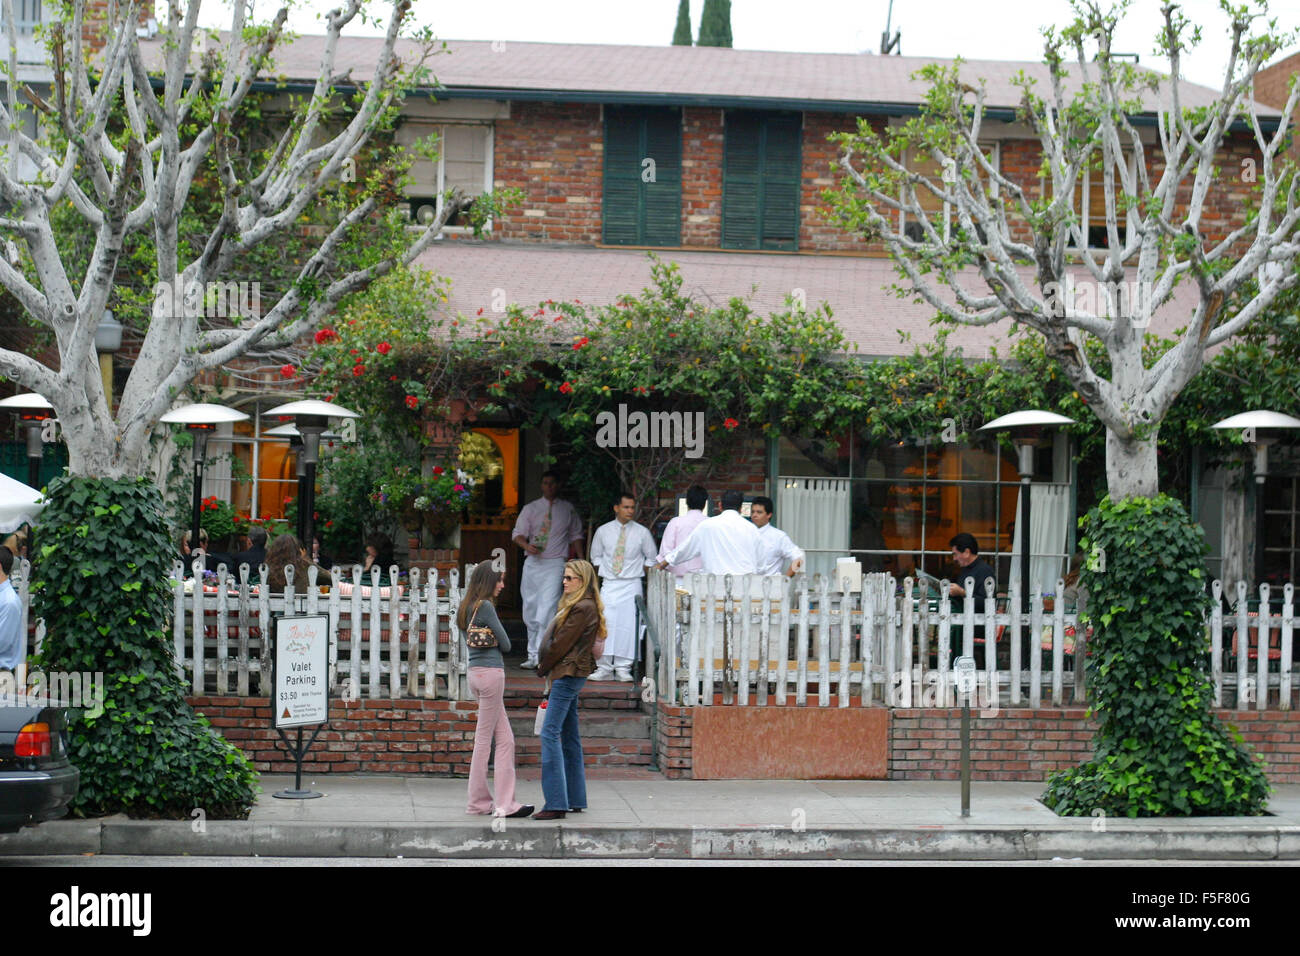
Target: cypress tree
[(715, 24), (682, 34)]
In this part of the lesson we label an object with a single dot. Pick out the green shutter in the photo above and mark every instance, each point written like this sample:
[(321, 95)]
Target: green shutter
[(662, 199), (634, 211), (741, 178), (761, 180), (621, 198)]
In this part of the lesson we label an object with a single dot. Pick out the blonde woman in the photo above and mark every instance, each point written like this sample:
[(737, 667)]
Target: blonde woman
[(487, 681), (568, 657)]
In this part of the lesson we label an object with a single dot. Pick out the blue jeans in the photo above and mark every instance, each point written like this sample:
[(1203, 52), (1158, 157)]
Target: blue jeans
[(564, 784)]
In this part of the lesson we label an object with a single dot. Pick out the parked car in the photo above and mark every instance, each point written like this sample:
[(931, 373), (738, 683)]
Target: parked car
[(37, 782)]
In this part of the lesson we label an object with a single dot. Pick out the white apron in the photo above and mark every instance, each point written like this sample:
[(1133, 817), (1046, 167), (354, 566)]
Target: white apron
[(619, 595), (540, 587)]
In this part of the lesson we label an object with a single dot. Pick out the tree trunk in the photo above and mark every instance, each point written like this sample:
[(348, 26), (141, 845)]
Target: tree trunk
[(1131, 470)]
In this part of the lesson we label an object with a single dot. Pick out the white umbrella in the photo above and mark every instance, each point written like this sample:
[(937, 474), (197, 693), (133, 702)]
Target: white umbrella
[(19, 504)]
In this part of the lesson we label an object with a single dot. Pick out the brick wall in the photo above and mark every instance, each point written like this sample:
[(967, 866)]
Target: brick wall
[(1272, 87), (817, 231), (1021, 744), (370, 736), (702, 139), (674, 741), (554, 153), (1030, 744)]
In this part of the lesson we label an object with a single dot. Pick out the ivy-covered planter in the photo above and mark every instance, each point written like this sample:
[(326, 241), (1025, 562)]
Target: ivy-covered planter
[(102, 590), (1159, 750)]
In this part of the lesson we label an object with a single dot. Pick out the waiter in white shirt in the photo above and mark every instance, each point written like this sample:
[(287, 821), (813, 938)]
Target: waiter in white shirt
[(550, 531), (727, 543), (620, 550), (680, 528), (777, 546)]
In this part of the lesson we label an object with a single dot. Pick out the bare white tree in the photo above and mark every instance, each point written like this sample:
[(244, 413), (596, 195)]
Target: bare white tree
[(1004, 251), (134, 138)]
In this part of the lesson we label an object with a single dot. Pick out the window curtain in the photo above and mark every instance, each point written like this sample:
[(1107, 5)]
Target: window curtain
[(217, 471), (1049, 517), (814, 512)]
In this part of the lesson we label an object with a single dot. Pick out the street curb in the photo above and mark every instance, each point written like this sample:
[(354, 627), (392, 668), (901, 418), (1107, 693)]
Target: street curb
[(118, 836)]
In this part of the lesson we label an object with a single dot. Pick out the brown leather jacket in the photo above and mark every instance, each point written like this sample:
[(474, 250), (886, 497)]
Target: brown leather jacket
[(570, 652)]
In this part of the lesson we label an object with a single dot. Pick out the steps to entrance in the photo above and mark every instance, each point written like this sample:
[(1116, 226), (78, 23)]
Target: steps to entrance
[(615, 734)]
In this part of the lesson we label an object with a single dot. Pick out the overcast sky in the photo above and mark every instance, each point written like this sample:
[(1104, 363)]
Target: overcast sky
[(974, 29)]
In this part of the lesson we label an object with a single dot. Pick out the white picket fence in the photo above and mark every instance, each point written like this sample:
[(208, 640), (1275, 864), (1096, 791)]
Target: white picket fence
[(809, 644), (396, 643), (384, 643)]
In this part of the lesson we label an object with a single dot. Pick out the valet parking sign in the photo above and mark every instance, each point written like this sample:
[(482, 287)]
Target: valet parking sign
[(301, 671)]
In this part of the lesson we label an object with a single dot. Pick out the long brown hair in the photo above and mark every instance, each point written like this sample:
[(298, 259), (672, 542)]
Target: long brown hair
[(287, 549), (482, 583), (587, 578)]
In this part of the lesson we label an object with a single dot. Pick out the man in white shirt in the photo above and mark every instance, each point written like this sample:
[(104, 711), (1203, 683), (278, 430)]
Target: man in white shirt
[(11, 615), (680, 528), (777, 546), (620, 550), (550, 532), (727, 543)]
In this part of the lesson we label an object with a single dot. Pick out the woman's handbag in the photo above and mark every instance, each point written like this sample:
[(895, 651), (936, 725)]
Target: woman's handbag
[(541, 713), (479, 637)]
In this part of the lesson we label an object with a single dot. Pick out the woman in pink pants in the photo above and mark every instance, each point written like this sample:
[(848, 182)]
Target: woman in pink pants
[(487, 681)]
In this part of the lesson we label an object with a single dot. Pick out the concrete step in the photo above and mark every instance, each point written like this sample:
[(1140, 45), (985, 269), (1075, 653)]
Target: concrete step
[(525, 693), (597, 723)]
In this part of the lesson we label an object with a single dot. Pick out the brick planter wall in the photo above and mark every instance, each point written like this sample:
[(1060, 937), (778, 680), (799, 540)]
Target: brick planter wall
[(370, 736), (1022, 744), (674, 740)]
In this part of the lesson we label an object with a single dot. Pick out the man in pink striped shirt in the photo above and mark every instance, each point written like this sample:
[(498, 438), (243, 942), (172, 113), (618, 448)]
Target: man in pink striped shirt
[(680, 528)]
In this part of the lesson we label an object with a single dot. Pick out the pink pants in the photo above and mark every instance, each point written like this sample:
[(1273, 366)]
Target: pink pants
[(488, 684)]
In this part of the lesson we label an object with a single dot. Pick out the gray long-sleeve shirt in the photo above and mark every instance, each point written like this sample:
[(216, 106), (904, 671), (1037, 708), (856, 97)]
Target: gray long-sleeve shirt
[(490, 656)]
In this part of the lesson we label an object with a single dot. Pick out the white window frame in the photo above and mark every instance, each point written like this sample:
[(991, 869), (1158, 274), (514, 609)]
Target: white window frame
[(1130, 159), (489, 155)]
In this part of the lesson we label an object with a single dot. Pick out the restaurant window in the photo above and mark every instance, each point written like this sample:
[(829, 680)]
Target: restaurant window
[(902, 502), (641, 202)]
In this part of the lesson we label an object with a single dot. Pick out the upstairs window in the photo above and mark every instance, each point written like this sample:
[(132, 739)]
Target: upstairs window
[(761, 176), (462, 160), (641, 202), (1090, 205)]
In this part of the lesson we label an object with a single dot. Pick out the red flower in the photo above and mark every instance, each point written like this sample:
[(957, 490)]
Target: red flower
[(287, 371), (730, 423), (358, 369), (325, 335), (412, 402), (383, 348), (457, 487), (437, 469), (566, 388), (355, 352), (580, 343), (480, 311), (329, 524), (672, 335)]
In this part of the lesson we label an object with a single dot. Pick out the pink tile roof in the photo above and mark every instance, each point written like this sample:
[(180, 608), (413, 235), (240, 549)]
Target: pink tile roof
[(855, 287), (674, 73)]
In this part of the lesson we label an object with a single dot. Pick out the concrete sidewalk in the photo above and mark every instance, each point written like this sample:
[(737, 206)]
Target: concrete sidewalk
[(388, 816)]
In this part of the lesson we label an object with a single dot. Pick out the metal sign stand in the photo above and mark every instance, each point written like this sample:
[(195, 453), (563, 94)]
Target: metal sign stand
[(964, 671), (298, 751)]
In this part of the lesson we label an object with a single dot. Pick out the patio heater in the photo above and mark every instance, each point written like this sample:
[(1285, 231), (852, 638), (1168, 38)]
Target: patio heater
[(311, 418), (291, 432), (33, 411), (1260, 428), (1027, 429), (201, 419)]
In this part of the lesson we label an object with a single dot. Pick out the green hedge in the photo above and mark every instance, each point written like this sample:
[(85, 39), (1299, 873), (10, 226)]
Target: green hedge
[(101, 586), (1159, 749)]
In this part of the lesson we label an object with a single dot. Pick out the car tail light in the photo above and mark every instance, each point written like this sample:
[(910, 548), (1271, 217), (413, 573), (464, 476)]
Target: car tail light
[(34, 740)]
